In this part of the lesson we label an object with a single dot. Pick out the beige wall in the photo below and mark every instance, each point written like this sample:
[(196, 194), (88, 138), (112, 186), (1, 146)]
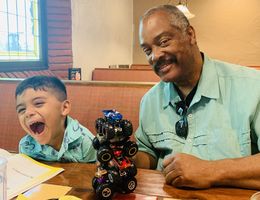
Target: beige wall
[(226, 30), (102, 33)]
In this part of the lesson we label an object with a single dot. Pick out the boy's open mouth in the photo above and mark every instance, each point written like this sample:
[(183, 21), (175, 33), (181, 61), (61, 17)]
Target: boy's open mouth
[(37, 127)]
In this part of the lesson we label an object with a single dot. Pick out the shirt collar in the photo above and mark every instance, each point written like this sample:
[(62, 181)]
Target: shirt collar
[(170, 95), (208, 85), (72, 133)]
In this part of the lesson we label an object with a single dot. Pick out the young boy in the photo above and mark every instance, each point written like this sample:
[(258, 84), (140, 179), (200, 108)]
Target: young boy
[(43, 108)]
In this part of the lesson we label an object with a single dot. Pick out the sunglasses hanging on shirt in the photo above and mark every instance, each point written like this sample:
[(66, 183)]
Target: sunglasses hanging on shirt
[(181, 126)]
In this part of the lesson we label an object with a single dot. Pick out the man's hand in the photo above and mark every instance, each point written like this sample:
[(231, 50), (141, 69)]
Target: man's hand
[(183, 170)]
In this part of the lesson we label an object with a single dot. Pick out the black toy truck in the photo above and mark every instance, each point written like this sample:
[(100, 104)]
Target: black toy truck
[(115, 171)]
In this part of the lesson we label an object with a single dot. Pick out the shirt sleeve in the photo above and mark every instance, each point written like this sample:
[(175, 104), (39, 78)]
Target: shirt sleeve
[(21, 150), (141, 137), (25, 144), (88, 149), (256, 125), (143, 143)]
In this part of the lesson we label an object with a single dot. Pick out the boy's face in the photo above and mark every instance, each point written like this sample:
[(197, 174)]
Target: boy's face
[(42, 115)]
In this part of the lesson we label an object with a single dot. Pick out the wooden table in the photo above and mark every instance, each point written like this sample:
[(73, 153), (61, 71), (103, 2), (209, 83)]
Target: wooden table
[(149, 182)]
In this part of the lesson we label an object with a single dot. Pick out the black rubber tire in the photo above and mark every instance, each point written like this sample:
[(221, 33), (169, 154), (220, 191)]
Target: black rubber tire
[(130, 149), (104, 191), (130, 185), (104, 154)]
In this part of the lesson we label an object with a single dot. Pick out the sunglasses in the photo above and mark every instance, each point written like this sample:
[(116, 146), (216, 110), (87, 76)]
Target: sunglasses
[(181, 126)]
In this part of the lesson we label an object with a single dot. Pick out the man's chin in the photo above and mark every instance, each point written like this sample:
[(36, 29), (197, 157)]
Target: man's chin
[(170, 76), (166, 78)]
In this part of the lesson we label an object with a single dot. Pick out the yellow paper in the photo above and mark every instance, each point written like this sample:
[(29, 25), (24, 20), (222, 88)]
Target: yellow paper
[(69, 197), (21, 197), (46, 191)]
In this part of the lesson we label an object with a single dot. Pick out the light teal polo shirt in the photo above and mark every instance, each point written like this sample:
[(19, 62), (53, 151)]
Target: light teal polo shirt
[(223, 117), (76, 146)]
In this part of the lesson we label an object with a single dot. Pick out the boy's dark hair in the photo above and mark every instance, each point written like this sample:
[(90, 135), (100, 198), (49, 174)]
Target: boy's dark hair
[(43, 83)]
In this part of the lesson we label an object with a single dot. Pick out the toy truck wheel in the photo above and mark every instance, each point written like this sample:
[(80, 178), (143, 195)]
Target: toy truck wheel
[(114, 177), (132, 170), (130, 149), (104, 191), (99, 124), (96, 143), (130, 185), (110, 131), (95, 182), (127, 127), (104, 154)]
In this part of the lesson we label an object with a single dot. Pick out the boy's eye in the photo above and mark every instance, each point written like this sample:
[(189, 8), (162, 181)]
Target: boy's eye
[(38, 104), (20, 110)]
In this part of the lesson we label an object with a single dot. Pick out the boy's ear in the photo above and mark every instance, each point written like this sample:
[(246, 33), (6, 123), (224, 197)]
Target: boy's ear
[(66, 107)]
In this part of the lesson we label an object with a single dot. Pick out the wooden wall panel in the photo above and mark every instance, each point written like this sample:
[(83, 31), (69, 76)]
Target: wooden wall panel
[(133, 75)]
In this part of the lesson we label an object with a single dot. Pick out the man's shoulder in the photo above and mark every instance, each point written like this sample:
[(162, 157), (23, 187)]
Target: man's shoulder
[(158, 88), (230, 70), (157, 95)]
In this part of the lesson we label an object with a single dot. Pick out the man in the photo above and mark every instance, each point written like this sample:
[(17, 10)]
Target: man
[(201, 123)]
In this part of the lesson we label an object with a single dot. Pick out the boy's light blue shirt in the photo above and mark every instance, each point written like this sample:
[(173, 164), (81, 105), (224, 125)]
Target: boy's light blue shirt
[(76, 145), (223, 117)]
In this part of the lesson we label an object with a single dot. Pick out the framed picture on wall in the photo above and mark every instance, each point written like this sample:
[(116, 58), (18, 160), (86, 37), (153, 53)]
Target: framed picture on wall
[(74, 74)]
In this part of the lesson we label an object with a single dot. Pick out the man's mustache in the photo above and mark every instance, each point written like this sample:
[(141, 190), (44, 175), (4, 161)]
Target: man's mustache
[(164, 61)]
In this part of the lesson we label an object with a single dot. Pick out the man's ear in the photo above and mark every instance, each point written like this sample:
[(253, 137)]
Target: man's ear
[(192, 35), (66, 107)]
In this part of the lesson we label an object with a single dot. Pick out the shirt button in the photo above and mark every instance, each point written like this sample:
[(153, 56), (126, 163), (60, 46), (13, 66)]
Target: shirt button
[(189, 115)]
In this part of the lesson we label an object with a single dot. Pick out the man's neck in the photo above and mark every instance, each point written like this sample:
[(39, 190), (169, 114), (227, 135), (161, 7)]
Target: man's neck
[(186, 87), (185, 91)]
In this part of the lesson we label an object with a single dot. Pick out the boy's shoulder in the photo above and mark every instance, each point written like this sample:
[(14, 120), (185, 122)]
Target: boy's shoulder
[(74, 128)]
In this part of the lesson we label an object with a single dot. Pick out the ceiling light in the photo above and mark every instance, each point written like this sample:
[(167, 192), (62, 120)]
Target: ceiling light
[(183, 8)]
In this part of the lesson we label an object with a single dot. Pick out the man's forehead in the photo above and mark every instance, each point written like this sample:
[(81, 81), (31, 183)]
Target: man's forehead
[(154, 26), (154, 20), (157, 16)]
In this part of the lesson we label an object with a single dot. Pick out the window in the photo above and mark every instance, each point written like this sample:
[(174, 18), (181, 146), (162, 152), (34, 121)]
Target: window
[(22, 35)]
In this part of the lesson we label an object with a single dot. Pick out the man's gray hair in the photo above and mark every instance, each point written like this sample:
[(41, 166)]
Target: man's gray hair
[(177, 18)]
